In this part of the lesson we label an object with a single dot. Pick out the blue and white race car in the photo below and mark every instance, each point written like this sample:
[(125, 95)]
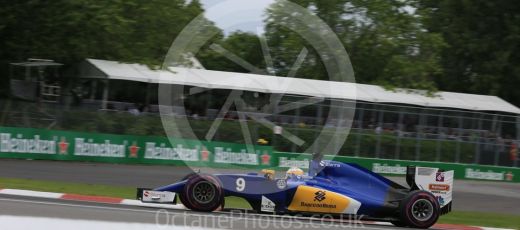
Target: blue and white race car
[(329, 187)]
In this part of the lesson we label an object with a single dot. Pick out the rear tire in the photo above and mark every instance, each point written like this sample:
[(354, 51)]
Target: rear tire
[(420, 209), (202, 193)]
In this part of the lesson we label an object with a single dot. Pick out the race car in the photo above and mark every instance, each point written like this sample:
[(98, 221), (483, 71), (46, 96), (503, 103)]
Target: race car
[(330, 187)]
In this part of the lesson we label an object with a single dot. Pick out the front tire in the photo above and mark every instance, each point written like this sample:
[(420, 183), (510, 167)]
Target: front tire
[(181, 197), (202, 193), (420, 209)]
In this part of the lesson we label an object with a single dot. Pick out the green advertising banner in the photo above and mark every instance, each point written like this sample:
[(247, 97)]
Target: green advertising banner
[(76, 146), (46, 144), (283, 161)]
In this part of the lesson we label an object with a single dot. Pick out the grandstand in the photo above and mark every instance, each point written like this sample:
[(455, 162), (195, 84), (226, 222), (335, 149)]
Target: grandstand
[(391, 124)]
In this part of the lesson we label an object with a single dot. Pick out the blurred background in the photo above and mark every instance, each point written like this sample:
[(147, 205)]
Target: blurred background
[(439, 78)]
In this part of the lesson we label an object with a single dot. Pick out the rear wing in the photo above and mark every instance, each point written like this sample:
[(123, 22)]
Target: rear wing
[(434, 180)]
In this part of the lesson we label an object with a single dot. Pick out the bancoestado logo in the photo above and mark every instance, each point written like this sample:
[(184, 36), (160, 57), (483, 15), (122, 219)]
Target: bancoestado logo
[(317, 205), (319, 196), (19, 144)]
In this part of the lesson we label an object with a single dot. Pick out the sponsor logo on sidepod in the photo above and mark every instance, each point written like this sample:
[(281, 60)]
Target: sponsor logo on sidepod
[(439, 177), (312, 199), (267, 205), (439, 187), (441, 200), (319, 196)]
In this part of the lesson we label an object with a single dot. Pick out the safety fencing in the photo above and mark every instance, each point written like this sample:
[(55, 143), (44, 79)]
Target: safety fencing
[(44, 144)]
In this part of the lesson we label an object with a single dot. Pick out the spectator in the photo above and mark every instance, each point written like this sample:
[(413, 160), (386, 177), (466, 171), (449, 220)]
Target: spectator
[(133, 110), (442, 135), (378, 130)]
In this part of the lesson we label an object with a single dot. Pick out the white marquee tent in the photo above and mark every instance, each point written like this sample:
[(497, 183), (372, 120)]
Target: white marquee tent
[(112, 70)]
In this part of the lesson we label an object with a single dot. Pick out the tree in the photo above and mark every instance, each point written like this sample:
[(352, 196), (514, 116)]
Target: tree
[(482, 56), (385, 39), (69, 31), (244, 45)]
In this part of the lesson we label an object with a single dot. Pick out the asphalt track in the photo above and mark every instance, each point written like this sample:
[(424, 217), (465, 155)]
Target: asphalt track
[(497, 197), (165, 219)]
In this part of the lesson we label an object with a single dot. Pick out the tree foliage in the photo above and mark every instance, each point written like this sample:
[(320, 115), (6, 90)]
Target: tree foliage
[(69, 31), (483, 55), (451, 45), (387, 43), (243, 44)]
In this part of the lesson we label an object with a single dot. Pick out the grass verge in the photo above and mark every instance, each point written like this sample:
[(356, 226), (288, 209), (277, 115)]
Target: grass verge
[(482, 219), (457, 217), (66, 187), (90, 189)]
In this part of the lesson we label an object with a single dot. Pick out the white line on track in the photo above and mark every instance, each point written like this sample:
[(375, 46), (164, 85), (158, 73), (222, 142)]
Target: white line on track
[(280, 219), (28, 223), (73, 205), (18, 192)]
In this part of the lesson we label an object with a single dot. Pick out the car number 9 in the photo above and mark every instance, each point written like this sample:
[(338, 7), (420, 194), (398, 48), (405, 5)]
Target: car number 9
[(241, 184)]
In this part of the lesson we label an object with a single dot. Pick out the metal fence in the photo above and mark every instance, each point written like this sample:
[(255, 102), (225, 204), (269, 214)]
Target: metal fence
[(377, 130)]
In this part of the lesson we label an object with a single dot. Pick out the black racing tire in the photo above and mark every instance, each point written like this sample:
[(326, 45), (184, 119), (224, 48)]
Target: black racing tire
[(188, 176), (420, 209), (398, 223), (202, 193)]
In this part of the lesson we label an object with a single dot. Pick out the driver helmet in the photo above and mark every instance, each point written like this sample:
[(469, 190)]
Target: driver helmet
[(294, 171)]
